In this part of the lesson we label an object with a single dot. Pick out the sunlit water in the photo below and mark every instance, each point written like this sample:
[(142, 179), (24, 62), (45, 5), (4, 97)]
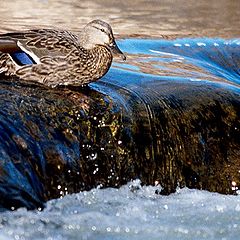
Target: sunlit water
[(135, 212), (152, 18)]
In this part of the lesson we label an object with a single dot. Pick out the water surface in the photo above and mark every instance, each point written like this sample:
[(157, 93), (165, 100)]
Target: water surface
[(140, 18), (135, 212)]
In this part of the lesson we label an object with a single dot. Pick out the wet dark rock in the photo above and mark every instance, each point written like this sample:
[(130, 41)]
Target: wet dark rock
[(174, 132), (60, 141)]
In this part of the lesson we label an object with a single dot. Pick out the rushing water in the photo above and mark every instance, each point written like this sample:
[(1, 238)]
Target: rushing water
[(133, 211), (125, 214)]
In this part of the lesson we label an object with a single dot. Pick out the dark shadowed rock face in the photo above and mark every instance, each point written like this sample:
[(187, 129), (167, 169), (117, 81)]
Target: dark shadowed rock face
[(171, 131), (55, 142)]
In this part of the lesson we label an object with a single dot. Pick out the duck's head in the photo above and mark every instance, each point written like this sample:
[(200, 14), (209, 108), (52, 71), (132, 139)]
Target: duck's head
[(99, 32)]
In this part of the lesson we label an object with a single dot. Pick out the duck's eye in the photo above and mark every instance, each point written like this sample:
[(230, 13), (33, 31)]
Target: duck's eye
[(102, 30)]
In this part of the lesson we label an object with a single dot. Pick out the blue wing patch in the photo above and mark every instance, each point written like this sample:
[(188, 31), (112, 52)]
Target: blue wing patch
[(21, 58)]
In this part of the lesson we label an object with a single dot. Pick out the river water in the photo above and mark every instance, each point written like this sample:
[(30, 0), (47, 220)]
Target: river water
[(203, 31), (152, 18)]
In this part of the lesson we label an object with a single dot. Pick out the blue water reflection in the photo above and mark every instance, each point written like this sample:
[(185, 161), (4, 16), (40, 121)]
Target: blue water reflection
[(219, 57), (152, 65)]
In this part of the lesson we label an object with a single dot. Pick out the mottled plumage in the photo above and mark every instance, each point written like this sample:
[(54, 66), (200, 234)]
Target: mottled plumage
[(55, 57)]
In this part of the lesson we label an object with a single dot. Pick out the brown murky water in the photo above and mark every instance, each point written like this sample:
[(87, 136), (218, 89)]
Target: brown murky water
[(150, 18)]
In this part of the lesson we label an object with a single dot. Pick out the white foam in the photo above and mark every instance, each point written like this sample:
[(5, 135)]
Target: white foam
[(131, 212), (200, 44)]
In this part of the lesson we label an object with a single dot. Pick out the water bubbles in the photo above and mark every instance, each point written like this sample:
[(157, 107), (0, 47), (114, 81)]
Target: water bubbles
[(237, 208), (165, 207), (234, 183), (101, 123), (110, 214), (182, 230), (69, 131), (117, 229), (77, 113), (99, 186), (32, 221), (220, 208), (177, 45), (201, 44), (135, 185), (17, 237), (86, 146), (92, 156), (234, 186), (95, 171), (156, 183)]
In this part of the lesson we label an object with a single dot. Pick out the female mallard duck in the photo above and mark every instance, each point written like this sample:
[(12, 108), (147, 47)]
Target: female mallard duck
[(54, 57)]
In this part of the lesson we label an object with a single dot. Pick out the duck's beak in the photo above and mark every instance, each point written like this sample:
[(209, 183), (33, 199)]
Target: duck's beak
[(116, 51)]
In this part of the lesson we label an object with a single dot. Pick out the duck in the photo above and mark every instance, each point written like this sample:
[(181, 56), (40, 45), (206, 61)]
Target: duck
[(58, 57)]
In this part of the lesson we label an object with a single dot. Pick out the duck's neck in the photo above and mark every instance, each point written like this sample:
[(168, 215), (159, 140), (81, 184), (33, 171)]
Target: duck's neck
[(84, 40)]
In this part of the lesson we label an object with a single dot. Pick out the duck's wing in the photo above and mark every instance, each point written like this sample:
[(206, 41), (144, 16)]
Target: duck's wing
[(37, 44), (8, 46)]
